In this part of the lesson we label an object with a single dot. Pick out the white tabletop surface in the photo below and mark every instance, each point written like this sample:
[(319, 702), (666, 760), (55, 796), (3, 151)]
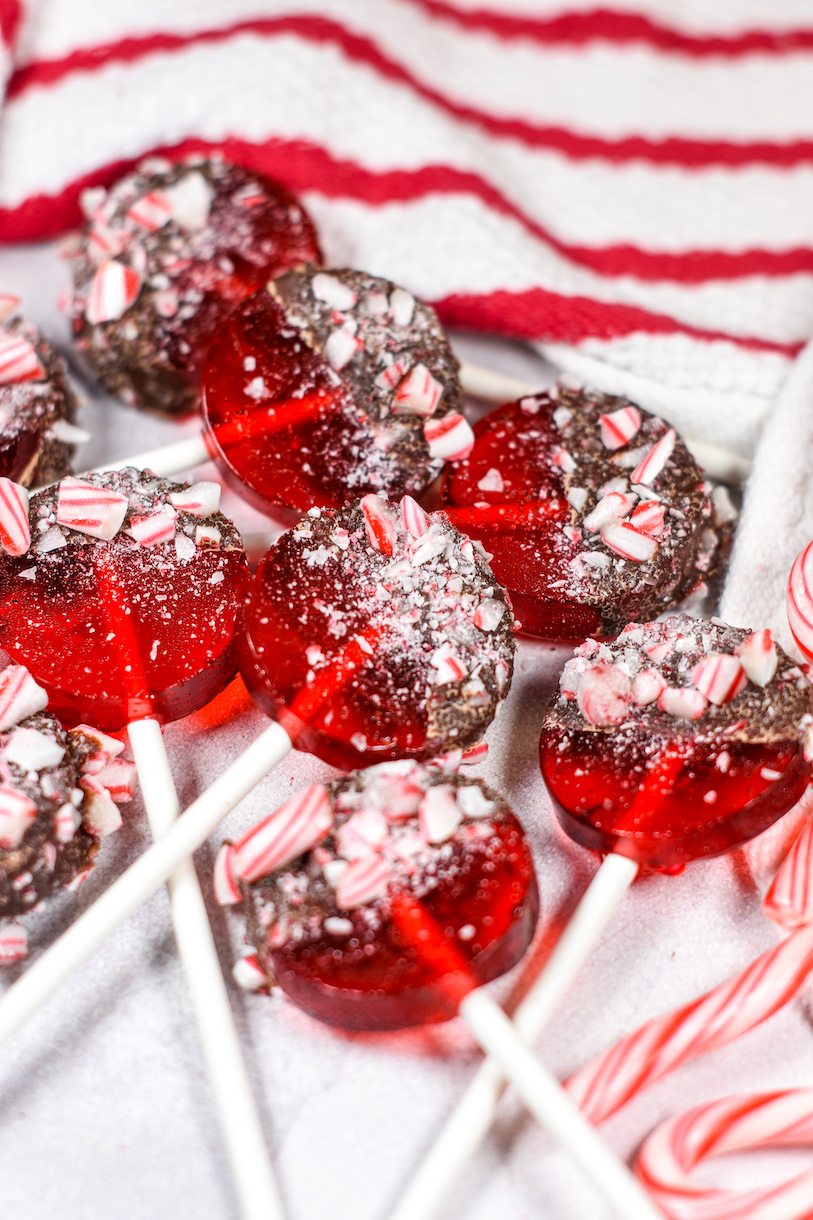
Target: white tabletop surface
[(105, 1109)]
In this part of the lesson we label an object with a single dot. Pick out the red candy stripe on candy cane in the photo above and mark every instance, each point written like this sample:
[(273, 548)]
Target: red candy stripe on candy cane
[(113, 290), (731, 1124), (17, 812), (20, 696), (735, 1006), (93, 510), (15, 533), (449, 438), (18, 361), (619, 427), (362, 881), (13, 943), (295, 827), (648, 517), (720, 677), (655, 460), (789, 900), (379, 523), (628, 542), (758, 656), (799, 600), (418, 394), (155, 528), (226, 889), (105, 243)]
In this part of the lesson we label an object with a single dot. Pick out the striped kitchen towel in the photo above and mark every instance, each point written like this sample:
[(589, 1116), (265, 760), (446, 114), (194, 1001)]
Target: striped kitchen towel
[(630, 187)]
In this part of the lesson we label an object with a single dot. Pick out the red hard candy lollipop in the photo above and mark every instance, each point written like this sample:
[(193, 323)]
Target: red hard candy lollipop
[(376, 631), (367, 898), (594, 511), (165, 255), (121, 595), (328, 385), (683, 739)]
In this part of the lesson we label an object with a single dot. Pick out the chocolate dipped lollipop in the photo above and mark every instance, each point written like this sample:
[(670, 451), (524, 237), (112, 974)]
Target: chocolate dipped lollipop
[(681, 740), (124, 607), (594, 511), (324, 386), (166, 253)]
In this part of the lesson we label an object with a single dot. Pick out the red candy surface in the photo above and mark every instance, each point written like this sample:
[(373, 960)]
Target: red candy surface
[(676, 777), (581, 546), (419, 887), (368, 641), (318, 390), (115, 629)]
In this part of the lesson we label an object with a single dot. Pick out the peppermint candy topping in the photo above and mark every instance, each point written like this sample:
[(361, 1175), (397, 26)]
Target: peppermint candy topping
[(439, 814), (155, 528), (190, 200), (381, 531), (113, 290), (449, 666), (449, 438), (611, 507), (648, 516), (17, 812), (488, 614), (13, 943), (720, 677), (789, 900), (418, 394), (32, 750), (332, 291), (758, 656), (93, 510), (296, 826), (362, 881), (105, 749), (415, 521), (603, 694), (15, 532), (619, 427), (391, 376), (100, 814), (67, 821), (249, 974), (152, 211), (647, 686), (340, 348), (18, 360), (201, 499), (799, 600), (20, 696), (120, 779), (106, 243), (685, 702), (655, 460), (224, 881), (628, 542)]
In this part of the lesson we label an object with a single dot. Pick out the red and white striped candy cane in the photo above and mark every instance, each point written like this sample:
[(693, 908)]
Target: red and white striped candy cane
[(731, 1124), (604, 1085), (789, 900)]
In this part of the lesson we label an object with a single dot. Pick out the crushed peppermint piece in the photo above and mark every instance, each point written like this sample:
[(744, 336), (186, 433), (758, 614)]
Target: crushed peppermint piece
[(155, 528), (449, 438), (628, 542), (439, 814), (603, 694), (17, 813), (18, 360), (758, 656), (492, 480), (418, 394), (657, 457), (684, 702), (93, 510), (340, 348), (15, 532), (114, 289), (201, 499), (190, 201), (332, 291), (619, 427), (720, 677)]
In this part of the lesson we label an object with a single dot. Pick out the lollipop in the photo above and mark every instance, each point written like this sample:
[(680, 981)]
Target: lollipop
[(375, 632), (124, 607), (37, 405), (325, 386), (332, 880), (595, 511), (682, 740), (164, 256)]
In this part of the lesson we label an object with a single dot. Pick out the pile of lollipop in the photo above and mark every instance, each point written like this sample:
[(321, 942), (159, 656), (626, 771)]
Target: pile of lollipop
[(377, 633)]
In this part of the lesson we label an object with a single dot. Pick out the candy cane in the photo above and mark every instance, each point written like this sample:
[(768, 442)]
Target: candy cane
[(789, 900), (732, 1124), (604, 1085)]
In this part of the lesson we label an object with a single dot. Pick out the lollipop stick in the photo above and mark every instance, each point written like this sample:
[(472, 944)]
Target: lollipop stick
[(545, 1098), (474, 1113), (169, 459), (141, 880), (239, 1119)]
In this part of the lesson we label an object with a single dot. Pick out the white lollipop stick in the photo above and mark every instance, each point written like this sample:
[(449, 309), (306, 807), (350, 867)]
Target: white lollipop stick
[(167, 460), (239, 1119), (545, 1098), (474, 1113), (141, 880)]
